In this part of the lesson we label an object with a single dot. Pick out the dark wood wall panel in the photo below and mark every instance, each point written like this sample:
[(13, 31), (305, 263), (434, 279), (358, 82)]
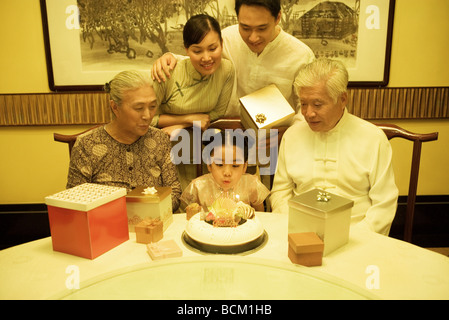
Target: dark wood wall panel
[(54, 109), (93, 108), (399, 103)]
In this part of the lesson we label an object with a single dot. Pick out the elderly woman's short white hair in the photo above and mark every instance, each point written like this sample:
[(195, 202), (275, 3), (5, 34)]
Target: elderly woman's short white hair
[(126, 80), (332, 72)]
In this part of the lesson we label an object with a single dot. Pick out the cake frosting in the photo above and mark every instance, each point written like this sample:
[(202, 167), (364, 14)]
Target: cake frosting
[(227, 227), (206, 233)]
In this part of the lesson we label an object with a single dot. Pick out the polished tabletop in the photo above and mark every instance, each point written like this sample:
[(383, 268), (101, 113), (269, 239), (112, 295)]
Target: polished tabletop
[(369, 266)]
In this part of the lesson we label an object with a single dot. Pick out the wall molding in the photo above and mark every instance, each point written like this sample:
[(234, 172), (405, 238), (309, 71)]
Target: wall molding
[(93, 107)]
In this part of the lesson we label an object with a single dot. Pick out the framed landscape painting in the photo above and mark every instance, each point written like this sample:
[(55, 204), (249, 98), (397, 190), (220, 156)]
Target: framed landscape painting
[(89, 41)]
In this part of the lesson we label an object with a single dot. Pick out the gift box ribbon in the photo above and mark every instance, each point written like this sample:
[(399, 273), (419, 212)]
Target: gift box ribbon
[(323, 196), (149, 224)]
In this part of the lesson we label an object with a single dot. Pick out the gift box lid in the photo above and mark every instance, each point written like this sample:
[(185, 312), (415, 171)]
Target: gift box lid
[(267, 108), (85, 197), (149, 223), (305, 242), (320, 201), (140, 194)]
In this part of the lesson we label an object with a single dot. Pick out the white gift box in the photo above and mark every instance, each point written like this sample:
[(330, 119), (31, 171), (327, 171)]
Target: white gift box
[(326, 214), (265, 109), (140, 205)]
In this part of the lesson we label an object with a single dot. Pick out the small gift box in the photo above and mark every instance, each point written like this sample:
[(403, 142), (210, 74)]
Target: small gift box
[(326, 214), (192, 209), (152, 203), (164, 249), (305, 249), (149, 230), (266, 108), (88, 220)]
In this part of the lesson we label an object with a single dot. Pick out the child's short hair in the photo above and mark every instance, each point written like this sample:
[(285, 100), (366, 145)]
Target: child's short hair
[(227, 137)]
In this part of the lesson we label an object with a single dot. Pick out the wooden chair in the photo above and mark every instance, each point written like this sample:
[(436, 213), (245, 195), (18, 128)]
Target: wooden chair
[(227, 123), (394, 131), (70, 138)]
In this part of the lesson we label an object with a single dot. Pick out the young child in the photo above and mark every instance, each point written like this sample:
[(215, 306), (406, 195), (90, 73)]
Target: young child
[(227, 177)]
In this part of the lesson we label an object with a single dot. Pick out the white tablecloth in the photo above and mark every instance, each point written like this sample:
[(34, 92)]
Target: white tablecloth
[(370, 265)]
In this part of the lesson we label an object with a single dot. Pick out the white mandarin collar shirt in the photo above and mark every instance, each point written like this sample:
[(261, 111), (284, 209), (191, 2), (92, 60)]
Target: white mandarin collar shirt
[(352, 160), (278, 63)]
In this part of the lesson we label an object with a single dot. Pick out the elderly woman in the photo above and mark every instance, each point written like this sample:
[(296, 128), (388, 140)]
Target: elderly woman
[(335, 151), (126, 152)]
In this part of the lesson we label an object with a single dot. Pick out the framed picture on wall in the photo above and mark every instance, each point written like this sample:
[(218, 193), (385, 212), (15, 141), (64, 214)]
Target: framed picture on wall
[(89, 41)]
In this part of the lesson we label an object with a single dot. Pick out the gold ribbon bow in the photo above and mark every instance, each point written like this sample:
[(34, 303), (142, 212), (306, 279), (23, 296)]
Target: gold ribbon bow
[(260, 118), (323, 196), (148, 222)]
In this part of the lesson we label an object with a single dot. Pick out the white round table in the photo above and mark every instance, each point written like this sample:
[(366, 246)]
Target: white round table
[(368, 266)]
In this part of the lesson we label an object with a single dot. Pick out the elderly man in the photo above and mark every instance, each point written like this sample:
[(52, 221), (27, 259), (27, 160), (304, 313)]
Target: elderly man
[(335, 151)]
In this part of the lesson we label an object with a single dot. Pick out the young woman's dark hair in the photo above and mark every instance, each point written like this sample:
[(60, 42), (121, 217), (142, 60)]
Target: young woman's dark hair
[(197, 27), (274, 6)]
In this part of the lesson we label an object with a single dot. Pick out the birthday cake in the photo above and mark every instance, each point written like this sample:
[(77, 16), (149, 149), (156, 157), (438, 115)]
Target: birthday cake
[(227, 227)]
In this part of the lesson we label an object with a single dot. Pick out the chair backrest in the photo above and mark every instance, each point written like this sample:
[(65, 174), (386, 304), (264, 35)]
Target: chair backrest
[(70, 139), (227, 123), (394, 131)]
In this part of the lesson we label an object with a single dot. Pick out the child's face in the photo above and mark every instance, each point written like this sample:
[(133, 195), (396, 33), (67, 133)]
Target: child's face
[(227, 171)]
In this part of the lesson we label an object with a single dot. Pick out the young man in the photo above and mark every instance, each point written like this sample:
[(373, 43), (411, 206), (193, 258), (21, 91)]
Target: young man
[(262, 53)]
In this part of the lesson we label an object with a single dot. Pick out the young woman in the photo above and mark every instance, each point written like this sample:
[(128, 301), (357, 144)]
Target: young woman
[(200, 87)]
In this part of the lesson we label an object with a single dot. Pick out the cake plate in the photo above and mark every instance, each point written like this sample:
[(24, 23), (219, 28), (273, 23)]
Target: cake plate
[(234, 249)]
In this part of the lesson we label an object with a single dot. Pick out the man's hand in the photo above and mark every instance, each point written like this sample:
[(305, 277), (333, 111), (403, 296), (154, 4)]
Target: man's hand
[(162, 67)]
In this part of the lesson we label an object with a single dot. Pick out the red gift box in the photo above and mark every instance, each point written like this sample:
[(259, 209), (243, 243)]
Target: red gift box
[(88, 220)]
